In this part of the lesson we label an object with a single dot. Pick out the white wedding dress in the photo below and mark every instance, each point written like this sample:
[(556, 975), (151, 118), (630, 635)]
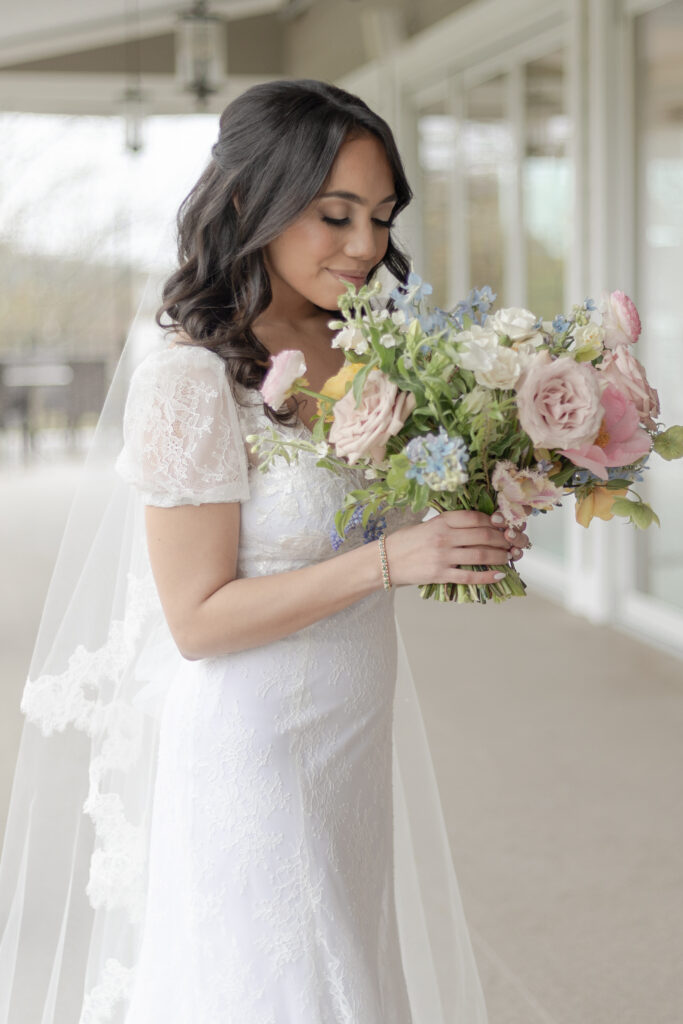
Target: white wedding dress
[(271, 895), (265, 842)]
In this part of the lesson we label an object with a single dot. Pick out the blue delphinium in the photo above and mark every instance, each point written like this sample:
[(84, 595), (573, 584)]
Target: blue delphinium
[(475, 306), (438, 461), (560, 324), (407, 297)]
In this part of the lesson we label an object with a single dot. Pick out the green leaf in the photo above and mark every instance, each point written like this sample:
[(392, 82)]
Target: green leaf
[(359, 380), (669, 444), (564, 475), (622, 507), (396, 477), (485, 503), (638, 512), (617, 485)]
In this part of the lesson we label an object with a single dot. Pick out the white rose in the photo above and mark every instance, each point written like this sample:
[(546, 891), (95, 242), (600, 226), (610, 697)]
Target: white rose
[(517, 323), (505, 371), (477, 348), (526, 350)]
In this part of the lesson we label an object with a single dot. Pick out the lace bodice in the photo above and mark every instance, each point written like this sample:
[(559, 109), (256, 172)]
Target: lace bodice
[(185, 430)]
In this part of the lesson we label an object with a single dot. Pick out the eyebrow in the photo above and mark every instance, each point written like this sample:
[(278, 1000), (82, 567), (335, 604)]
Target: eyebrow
[(353, 198)]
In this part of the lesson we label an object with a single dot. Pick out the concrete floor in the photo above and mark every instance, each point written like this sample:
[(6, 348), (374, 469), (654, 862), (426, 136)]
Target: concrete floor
[(557, 746)]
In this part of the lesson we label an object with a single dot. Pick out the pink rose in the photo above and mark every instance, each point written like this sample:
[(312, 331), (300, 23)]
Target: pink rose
[(620, 319), (381, 412), (621, 440), (521, 490), (287, 368), (623, 369), (559, 402)]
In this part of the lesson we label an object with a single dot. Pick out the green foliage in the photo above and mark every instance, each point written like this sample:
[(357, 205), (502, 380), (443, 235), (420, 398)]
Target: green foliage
[(669, 444), (637, 512)]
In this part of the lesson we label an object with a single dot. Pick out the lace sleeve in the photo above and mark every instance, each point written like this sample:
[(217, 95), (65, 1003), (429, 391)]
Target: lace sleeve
[(182, 439)]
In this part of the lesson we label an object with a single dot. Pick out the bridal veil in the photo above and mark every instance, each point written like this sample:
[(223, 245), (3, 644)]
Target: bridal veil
[(73, 869)]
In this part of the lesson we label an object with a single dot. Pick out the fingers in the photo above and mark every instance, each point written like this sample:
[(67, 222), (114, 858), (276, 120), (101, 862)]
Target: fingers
[(477, 576), (477, 555)]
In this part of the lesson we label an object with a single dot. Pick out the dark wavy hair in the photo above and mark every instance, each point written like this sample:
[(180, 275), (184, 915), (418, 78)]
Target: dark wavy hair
[(276, 146)]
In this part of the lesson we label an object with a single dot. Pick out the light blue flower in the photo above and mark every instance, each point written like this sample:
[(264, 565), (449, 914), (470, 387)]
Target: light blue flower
[(589, 305), (439, 461), (408, 296), (560, 324)]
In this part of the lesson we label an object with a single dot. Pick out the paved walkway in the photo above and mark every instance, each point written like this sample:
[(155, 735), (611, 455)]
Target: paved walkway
[(557, 746)]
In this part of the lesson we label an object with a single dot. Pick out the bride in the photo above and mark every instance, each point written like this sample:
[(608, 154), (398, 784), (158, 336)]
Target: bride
[(270, 892)]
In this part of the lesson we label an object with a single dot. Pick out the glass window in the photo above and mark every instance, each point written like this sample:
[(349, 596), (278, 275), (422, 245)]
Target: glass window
[(436, 152), (488, 154), (546, 185), (546, 199), (659, 248)]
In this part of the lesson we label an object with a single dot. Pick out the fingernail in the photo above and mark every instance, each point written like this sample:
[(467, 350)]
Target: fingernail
[(497, 519), (510, 534), (516, 551), (499, 576)]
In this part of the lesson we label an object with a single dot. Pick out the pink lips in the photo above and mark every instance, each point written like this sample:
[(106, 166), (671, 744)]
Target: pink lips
[(343, 275)]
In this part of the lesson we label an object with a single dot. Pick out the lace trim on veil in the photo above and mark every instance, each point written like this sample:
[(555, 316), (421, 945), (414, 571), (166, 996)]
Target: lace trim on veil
[(78, 697)]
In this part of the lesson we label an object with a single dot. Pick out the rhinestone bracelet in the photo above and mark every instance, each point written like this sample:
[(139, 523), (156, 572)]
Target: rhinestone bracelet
[(386, 578)]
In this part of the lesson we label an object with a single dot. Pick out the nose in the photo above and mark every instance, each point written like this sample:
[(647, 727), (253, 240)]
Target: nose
[(361, 243)]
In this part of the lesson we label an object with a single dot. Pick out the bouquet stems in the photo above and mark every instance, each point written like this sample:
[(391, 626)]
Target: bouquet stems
[(478, 593)]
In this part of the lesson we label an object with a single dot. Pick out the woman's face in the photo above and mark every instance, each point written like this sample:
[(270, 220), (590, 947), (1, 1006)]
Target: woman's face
[(342, 234)]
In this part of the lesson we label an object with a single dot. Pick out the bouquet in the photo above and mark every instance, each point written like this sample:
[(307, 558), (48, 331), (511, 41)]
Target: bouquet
[(473, 409)]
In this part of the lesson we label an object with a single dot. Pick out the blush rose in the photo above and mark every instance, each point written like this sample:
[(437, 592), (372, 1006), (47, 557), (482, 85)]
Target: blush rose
[(622, 369), (559, 402), (363, 430)]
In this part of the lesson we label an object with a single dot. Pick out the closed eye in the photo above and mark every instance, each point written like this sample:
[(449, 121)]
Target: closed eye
[(343, 221)]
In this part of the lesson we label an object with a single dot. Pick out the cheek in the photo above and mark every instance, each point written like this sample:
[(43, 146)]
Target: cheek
[(299, 250)]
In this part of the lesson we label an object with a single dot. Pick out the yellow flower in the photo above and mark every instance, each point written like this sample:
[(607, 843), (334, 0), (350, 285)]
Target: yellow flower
[(598, 503), (335, 387)]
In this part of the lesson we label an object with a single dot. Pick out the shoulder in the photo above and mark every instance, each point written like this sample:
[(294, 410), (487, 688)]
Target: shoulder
[(178, 362)]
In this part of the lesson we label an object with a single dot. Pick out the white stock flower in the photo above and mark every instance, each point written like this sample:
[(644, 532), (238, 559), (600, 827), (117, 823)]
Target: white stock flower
[(388, 341), (517, 323), (505, 371)]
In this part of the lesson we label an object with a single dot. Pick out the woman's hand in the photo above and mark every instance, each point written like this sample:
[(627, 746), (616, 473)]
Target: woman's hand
[(434, 551)]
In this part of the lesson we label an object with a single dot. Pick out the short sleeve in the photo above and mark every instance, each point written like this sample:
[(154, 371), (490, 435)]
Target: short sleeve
[(182, 439)]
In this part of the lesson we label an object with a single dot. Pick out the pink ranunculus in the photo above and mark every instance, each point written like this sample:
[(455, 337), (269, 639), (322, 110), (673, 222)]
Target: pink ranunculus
[(559, 402), (620, 319), (621, 440), (287, 367), (382, 411), (521, 490), (624, 371)]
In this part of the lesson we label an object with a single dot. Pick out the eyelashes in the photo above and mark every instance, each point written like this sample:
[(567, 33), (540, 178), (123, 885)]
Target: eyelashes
[(340, 222)]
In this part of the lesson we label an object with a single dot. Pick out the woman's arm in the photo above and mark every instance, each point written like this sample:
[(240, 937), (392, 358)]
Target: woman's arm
[(193, 552)]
